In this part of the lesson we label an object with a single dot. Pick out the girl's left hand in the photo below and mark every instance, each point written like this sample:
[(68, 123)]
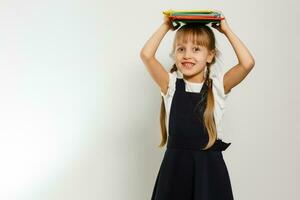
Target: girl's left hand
[(222, 27)]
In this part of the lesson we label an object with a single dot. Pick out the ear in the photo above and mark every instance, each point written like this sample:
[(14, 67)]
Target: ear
[(211, 55)]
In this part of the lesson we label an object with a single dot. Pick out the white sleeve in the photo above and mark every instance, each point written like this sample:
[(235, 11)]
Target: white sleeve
[(220, 99), (218, 87), (171, 86)]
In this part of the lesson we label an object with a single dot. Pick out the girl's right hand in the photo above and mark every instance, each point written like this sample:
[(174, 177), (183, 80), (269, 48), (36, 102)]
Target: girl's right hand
[(168, 22)]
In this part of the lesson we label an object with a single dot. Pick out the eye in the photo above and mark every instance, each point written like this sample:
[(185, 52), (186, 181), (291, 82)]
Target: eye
[(179, 49), (197, 48)]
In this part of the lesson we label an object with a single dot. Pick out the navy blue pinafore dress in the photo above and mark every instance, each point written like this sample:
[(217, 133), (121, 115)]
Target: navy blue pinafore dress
[(187, 172)]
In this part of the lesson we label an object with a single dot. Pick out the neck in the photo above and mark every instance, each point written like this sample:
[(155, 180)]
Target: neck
[(197, 78)]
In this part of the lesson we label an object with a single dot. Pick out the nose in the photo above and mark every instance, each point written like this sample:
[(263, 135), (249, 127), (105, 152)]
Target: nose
[(187, 54)]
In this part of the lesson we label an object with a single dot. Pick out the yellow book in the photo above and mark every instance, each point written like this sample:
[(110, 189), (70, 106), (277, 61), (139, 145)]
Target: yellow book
[(168, 12)]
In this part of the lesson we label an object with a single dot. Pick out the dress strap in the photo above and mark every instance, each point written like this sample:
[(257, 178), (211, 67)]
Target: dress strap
[(180, 84)]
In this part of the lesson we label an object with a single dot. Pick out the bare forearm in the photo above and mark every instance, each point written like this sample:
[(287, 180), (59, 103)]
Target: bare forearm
[(152, 44), (244, 56)]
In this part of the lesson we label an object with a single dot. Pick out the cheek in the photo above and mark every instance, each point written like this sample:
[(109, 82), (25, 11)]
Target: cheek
[(203, 58)]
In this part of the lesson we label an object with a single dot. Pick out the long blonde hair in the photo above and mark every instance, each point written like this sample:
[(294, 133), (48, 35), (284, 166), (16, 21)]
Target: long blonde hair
[(201, 35)]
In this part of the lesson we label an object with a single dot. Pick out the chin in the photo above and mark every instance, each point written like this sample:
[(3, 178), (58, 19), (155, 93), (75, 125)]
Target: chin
[(188, 73)]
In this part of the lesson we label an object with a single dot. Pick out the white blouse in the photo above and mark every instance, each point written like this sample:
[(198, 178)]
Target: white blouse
[(218, 91)]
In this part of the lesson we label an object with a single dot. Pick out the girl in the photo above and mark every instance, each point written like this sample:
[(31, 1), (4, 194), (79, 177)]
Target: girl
[(193, 167)]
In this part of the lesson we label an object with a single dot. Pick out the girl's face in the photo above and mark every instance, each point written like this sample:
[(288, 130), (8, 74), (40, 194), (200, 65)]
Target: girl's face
[(191, 60)]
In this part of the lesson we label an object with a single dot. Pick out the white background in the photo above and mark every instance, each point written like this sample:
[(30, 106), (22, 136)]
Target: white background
[(79, 113)]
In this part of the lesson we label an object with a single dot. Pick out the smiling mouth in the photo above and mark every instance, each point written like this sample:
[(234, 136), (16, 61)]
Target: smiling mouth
[(188, 65)]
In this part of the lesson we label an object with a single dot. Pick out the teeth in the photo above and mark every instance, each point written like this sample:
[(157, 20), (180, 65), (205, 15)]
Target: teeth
[(188, 64)]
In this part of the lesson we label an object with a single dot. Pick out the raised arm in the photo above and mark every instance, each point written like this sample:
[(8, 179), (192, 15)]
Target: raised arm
[(245, 60), (147, 54)]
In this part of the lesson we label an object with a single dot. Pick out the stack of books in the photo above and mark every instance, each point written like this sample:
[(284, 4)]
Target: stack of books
[(193, 16)]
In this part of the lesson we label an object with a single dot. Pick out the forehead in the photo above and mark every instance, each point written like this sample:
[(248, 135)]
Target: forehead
[(191, 38)]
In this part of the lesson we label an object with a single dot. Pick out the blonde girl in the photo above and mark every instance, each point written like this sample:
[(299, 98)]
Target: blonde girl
[(193, 99)]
